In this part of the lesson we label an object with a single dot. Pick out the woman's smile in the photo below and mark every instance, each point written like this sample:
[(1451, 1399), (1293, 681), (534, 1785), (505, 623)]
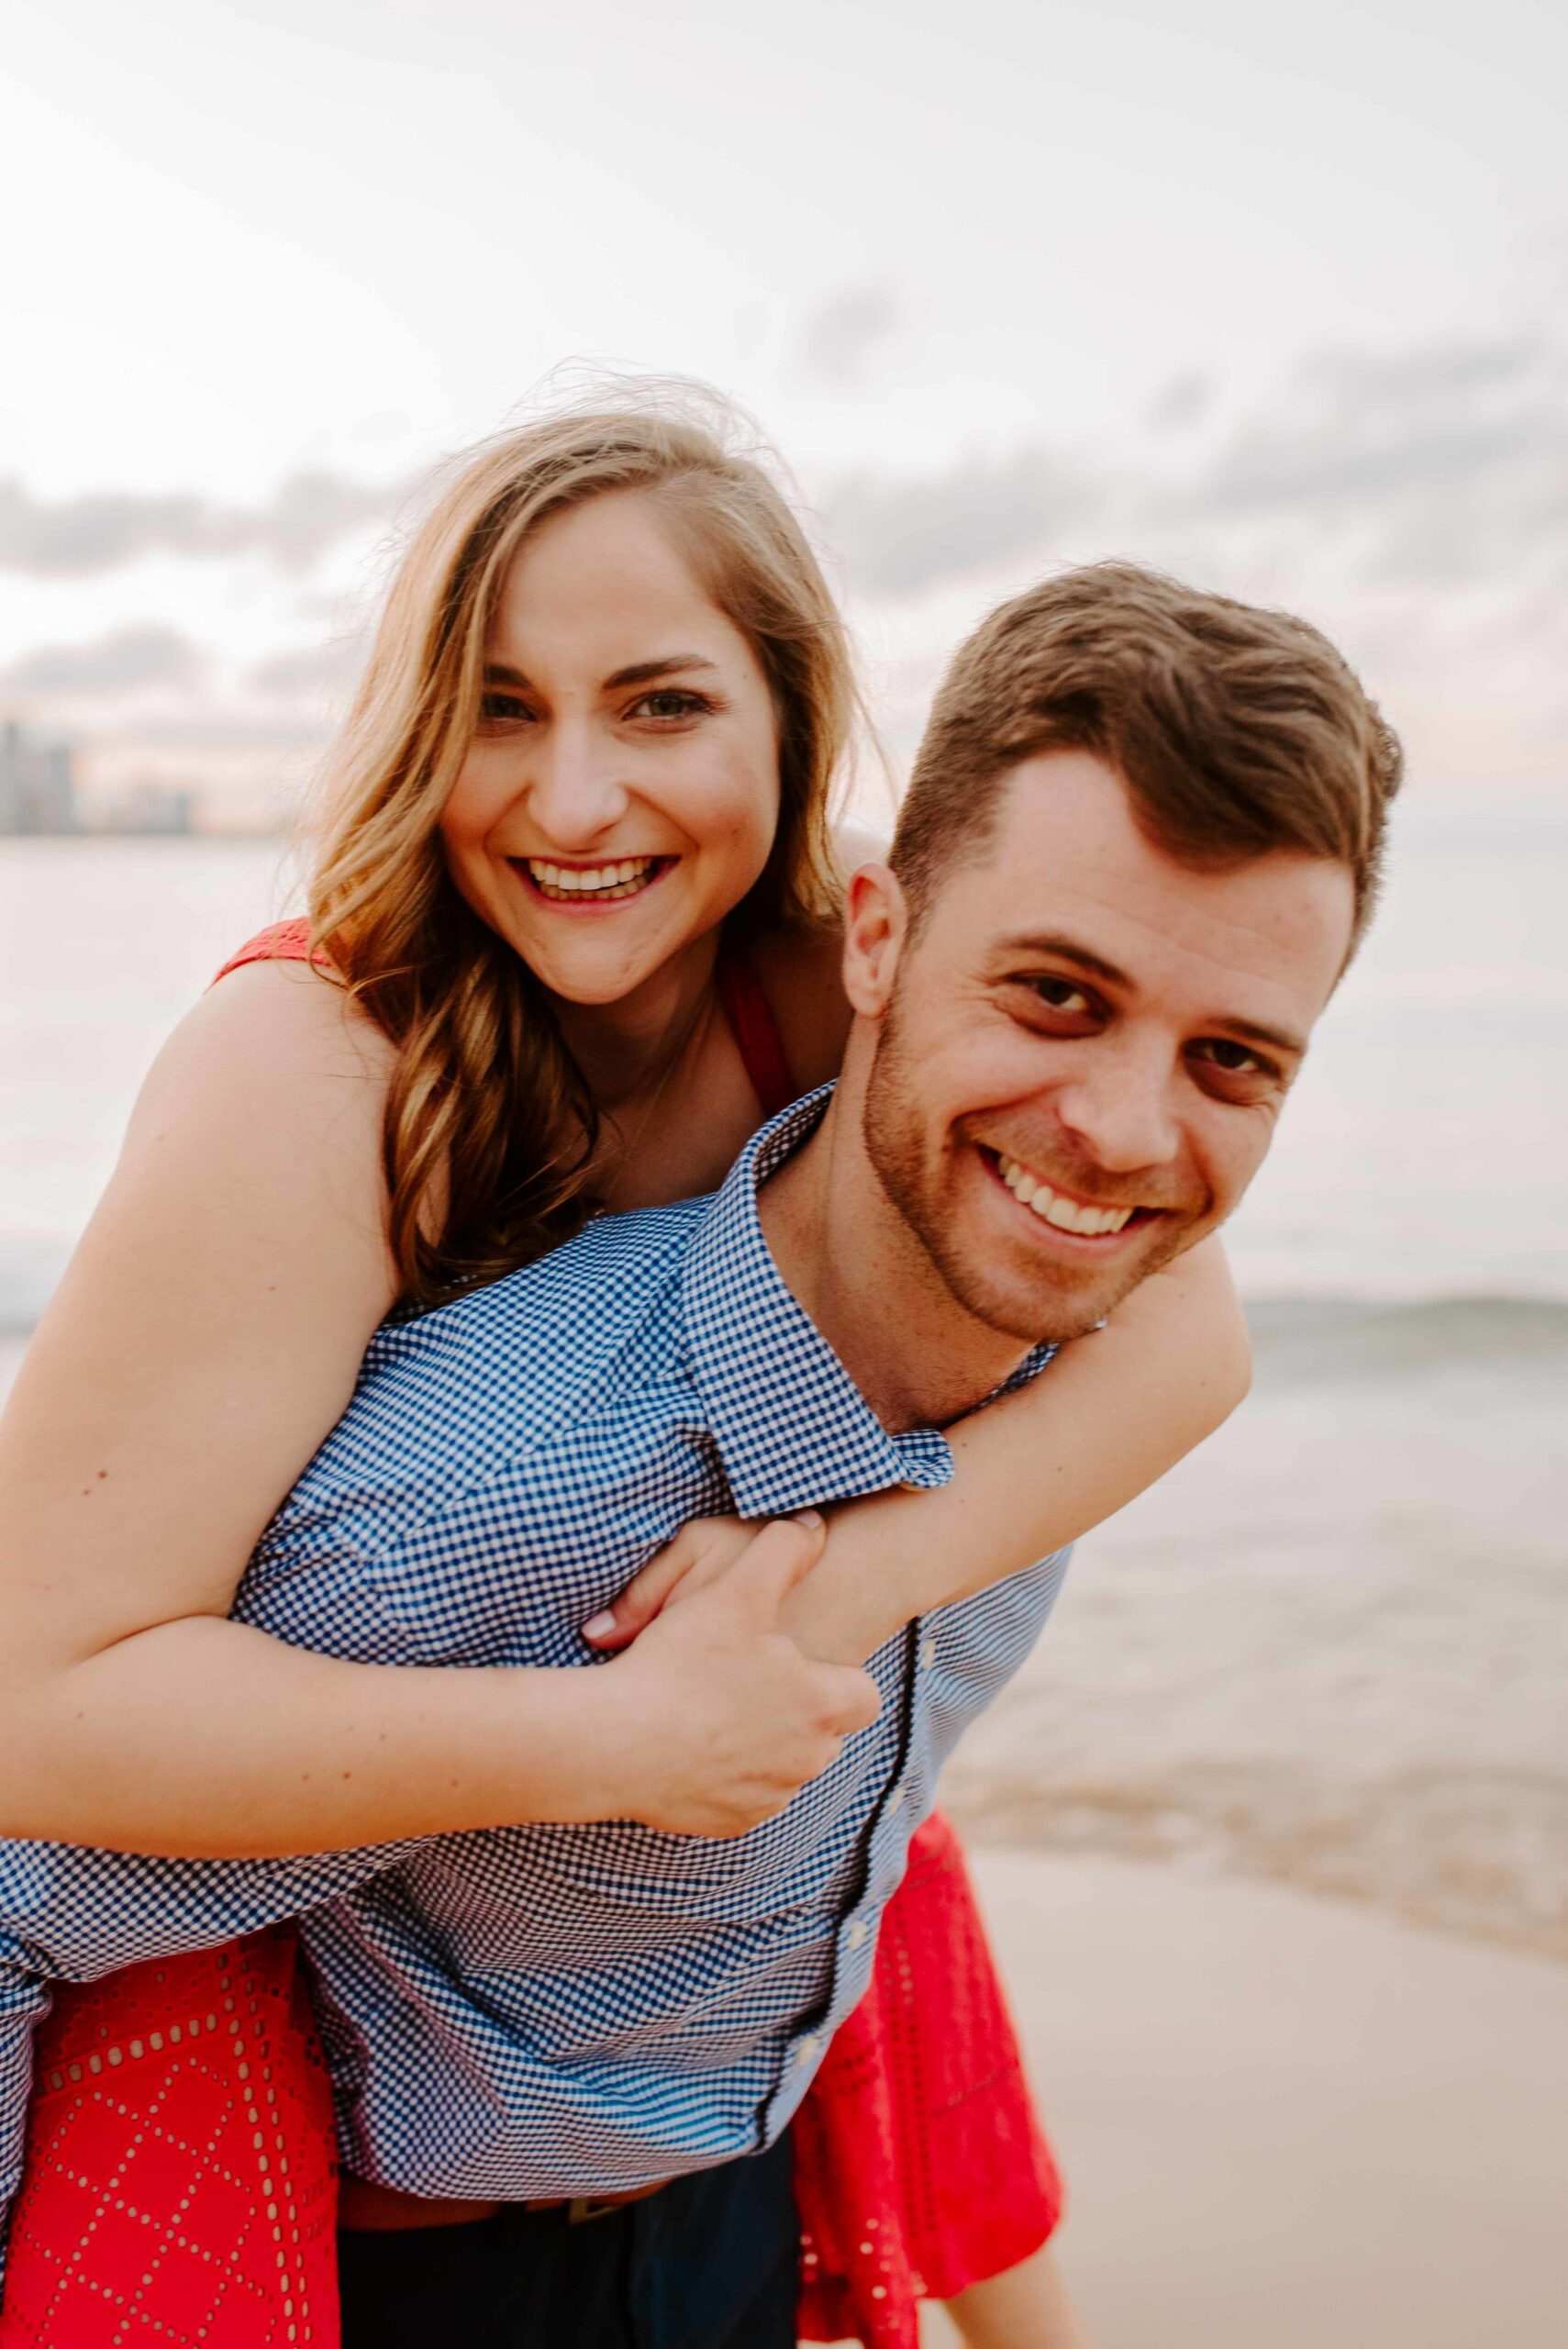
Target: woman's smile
[(576, 887)]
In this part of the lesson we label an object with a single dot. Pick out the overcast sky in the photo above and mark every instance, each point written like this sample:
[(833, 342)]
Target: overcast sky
[(1274, 298)]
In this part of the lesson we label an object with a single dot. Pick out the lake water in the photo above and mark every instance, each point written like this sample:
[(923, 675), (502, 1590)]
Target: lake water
[(1420, 1157), (1332, 1646)]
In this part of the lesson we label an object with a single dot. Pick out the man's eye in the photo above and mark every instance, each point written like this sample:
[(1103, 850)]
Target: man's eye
[(1237, 1060), (670, 701), (1061, 995)]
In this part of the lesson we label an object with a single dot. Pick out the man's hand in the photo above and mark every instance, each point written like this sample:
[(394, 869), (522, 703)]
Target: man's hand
[(718, 1719)]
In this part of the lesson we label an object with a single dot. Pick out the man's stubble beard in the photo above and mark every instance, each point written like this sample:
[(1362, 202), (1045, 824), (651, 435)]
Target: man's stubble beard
[(894, 1149)]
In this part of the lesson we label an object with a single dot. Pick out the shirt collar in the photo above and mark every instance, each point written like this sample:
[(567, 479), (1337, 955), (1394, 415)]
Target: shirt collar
[(792, 1427)]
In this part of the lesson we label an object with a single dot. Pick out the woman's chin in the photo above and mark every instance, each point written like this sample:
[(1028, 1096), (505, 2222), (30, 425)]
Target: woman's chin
[(603, 960), (599, 965)]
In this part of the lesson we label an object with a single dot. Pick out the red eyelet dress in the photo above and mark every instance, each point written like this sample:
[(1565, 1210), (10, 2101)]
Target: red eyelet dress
[(180, 2180)]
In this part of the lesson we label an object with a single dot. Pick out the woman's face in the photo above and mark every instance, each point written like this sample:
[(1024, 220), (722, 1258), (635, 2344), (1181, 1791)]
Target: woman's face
[(622, 790)]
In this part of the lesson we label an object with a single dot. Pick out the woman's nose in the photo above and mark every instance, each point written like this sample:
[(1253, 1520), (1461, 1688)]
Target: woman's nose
[(575, 795)]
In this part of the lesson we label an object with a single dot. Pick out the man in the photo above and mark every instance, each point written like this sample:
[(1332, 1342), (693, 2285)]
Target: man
[(1143, 834)]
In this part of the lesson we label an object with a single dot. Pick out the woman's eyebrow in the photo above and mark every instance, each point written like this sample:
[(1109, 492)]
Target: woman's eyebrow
[(642, 673)]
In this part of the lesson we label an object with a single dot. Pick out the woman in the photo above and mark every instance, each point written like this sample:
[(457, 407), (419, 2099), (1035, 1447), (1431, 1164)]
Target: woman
[(577, 895)]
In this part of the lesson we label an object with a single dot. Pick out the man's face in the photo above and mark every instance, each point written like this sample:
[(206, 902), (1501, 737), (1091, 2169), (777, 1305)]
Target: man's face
[(1082, 1052)]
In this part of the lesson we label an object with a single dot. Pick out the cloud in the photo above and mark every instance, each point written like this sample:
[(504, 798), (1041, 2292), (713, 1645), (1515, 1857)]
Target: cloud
[(74, 536), (1184, 400), (842, 332), (1413, 502), (1442, 466), (118, 663), (899, 536), (310, 673)]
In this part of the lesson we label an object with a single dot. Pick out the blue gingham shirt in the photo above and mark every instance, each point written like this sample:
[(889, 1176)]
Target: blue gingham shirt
[(543, 2011)]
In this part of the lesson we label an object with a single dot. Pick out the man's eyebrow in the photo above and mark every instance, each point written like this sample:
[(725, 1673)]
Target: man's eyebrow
[(1062, 949), (1065, 949), (1252, 1032)]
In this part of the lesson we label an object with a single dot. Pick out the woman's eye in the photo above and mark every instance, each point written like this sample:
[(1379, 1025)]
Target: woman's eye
[(1061, 995), (497, 709), (670, 701)]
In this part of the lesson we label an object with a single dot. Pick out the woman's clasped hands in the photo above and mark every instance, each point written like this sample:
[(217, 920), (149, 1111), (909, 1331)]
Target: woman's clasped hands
[(713, 1718)]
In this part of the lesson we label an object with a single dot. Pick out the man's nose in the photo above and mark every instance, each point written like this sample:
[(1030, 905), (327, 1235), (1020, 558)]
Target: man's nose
[(1119, 1106), (575, 794)]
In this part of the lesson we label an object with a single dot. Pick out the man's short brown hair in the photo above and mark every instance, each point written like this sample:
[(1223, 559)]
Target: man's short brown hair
[(1236, 729)]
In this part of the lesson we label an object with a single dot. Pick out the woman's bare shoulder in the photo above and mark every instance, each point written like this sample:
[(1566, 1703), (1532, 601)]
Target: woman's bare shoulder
[(288, 1014), (274, 1085)]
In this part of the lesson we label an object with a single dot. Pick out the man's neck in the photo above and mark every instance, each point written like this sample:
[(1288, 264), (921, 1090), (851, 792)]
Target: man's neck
[(854, 1265)]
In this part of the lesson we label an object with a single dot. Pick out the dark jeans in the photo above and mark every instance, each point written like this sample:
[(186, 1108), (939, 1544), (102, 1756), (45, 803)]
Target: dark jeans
[(710, 2262)]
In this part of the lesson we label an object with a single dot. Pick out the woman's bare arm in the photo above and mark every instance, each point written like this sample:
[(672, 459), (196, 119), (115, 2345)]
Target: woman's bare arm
[(1032, 1472), (1108, 1417), (205, 1339)]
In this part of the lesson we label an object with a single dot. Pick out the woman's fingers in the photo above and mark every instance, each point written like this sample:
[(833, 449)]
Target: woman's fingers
[(697, 1555), (780, 1554), (732, 1718)]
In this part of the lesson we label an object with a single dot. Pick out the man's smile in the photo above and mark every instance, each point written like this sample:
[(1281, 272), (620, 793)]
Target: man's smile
[(1063, 1211)]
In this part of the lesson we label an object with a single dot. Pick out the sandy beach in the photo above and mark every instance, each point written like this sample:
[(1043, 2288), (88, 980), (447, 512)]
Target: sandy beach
[(1288, 2122)]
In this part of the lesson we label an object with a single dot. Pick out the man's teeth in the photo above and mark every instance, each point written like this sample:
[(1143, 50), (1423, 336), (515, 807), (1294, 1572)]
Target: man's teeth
[(622, 880), (1051, 1207)]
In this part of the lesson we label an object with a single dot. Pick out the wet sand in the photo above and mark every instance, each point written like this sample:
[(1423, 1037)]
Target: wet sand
[(1288, 2122)]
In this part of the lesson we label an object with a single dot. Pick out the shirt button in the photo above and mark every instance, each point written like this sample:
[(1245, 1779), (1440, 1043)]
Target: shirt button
[(857, 1932), (895, 1801), (927, 1653), (807, 2048)]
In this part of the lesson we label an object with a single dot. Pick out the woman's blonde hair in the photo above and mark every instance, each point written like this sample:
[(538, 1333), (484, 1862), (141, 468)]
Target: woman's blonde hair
[(490, 1127)]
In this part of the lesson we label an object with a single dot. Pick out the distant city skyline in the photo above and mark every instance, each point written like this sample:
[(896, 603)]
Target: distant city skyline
[(40, 796)]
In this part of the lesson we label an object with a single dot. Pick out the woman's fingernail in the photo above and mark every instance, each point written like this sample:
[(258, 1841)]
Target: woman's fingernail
[(599, 1627), (808, 1517)]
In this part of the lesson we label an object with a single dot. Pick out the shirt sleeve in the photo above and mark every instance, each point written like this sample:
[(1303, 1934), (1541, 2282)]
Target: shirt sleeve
[(70, 1913)]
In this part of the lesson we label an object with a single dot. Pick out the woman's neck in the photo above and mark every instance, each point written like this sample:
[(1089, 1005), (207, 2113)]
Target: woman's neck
[(627, 1047)]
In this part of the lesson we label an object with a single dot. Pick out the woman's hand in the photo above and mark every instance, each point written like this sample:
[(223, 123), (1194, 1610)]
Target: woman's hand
[(716, 1717), (704, 1549)]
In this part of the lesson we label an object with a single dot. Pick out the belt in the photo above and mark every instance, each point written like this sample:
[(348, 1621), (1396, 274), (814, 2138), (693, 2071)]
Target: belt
[(381, 2209)]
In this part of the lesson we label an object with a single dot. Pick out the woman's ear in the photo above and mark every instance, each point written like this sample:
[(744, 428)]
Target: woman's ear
[(876, 921)]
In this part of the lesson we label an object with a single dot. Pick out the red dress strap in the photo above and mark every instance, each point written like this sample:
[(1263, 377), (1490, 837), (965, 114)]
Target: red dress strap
[(280, 941), (755, 1029)]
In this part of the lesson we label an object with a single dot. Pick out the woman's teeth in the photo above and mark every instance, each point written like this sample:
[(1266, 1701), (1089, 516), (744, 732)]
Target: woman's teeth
[(604, 881), (1052, 1207)]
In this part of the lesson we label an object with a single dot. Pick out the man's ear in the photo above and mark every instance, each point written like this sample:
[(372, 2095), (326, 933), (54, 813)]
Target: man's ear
[(876, 924)]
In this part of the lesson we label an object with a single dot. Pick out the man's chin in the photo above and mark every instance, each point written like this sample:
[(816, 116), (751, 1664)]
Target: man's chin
[(1040, 1311)]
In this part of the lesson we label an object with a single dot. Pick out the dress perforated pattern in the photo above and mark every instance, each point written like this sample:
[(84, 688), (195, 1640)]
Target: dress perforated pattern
[(174, 2153)]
